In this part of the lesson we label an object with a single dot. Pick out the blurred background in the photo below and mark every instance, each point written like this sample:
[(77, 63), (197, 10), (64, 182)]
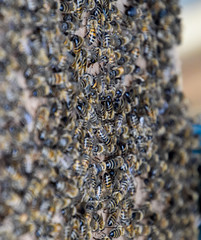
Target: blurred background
[(190, 53)]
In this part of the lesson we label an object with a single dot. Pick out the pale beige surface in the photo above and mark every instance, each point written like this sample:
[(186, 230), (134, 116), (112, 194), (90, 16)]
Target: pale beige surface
[(190, 55)]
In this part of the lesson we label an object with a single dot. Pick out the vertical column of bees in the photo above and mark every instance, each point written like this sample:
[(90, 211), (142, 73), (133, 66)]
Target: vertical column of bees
[(106, 153)]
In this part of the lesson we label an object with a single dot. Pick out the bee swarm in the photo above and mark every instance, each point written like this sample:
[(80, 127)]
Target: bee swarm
[(95, 142)]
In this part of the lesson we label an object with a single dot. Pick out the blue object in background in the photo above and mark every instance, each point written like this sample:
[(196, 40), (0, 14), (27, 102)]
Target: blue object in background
[(197, 132)]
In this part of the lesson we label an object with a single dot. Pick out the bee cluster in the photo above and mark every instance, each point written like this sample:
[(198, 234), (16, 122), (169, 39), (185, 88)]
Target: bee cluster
[(107, 154)]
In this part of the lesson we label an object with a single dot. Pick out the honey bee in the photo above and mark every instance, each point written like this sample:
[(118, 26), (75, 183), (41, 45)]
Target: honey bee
[(107, 181), (101, 133), (98, 149), (114, 12), (100, 167), (109, 107), (33, 190), (77, 167), (106, 40), (66, 28), (67, 43), (137, 215), (66, 7), (57, 79), (93, 56), (79, 7), (53, 229), (99, 219), (78, 42), (115, 163), (67, 188), (75, 233), (42, 117), (42, 91), (81, 109), (92, 115), (142, 230), (134, 120), (116, 233), (91, 31), (117, 72), (78, 133), (67, 231), (119, 121), (114, 201), (88, 145), (112, 219), (115, 26), (85, 163), (91, 4)]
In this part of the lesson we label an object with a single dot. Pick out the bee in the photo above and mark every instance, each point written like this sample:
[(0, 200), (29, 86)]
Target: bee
[(53, 228), (104, 137), (135, 53), (79, 7), (66, 28), (129, 229), (107, 181), (134, 120), (33, 190), (107, 27), (88, 145), (75, 234), (115, 26), (113, 202), (81, 109), (99, 219), (97, 11), (124, 216), (114, 12), (80, 62), (88, 235), (77, 167), (109, 107), (119, 121), (64, 7), (92, 115), (67, 232), (117, 72), (18, 180), (100, 167), (67, 188), (124, 183), (143, 230), (106, 40), (79, 130), (93, 57), (78, 42), (112, 219), (115, 163), (124, 60), (137, 215), (91, 4), (42, 91), (116, 233), (92, 204), (85, 163), (92, 31), (98, 149), (67, 43), (67, 8), (57, 79)]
